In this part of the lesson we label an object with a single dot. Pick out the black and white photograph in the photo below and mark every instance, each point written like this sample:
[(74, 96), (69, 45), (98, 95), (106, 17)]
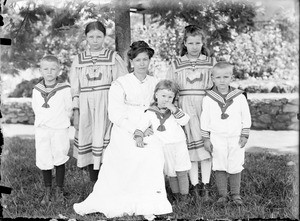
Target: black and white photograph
[(149, 109)]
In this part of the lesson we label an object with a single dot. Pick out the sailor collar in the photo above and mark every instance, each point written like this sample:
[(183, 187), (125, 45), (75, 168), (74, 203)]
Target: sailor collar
[(224, 101), (46, 94)]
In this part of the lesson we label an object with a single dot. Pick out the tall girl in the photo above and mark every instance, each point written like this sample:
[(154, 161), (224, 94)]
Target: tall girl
[(91, 75), (192, 73)]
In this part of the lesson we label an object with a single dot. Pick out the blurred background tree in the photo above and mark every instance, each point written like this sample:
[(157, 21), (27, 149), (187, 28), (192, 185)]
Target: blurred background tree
[(258, 50)]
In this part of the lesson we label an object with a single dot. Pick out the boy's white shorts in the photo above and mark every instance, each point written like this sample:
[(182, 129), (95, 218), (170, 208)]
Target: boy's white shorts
[(227, 154), (52, 147)]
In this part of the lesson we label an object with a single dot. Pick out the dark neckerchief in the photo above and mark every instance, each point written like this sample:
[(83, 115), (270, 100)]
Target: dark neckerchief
[(41, 87), (162, 117), (224, 101)]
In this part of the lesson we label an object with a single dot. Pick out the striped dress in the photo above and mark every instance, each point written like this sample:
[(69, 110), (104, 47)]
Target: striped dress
[(90, 79), (193, 78)]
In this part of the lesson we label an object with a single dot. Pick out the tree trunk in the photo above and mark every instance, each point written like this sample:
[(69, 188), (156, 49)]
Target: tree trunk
[(122, 28)]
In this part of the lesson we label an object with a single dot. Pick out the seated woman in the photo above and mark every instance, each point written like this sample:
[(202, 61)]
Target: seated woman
[(131, 180)]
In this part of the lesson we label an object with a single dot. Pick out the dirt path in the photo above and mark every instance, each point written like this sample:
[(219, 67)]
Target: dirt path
[(259, 140)]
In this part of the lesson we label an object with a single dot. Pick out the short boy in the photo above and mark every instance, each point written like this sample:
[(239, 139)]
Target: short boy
[(225, 127), (52, 106)]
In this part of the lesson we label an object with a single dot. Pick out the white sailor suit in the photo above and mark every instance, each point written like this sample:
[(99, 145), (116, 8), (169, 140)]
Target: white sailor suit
[(193, 78), (52, 107), (224, 120), (90, 78), (167, 128)]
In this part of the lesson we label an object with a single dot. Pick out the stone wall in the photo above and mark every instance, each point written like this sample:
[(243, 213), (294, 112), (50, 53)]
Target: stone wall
[(268, 113)]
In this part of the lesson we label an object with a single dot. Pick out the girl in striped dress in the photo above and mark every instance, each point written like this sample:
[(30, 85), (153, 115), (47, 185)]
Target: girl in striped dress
[(192, 73), (91, 75)]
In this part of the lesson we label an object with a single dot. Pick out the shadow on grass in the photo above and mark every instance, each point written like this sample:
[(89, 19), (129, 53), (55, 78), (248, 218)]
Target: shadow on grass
[(269, 188)]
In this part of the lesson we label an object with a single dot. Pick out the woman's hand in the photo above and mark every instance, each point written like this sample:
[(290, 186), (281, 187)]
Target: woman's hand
[(76, 119)]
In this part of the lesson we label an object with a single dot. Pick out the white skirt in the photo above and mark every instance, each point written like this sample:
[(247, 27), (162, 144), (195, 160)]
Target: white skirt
[(130, 181)]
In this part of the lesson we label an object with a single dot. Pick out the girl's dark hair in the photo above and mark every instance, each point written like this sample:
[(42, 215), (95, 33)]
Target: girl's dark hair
[(194, 30), (95, 25), (169, 85), (138, 47)]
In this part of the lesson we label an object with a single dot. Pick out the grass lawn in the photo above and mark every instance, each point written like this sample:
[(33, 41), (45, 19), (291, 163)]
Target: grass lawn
[(269, 188)]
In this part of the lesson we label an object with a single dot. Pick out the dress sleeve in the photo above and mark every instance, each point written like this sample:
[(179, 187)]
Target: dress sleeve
[(246, 117), (117, 110), (205, 118), (68, 101), (120, 68), (74, 81)]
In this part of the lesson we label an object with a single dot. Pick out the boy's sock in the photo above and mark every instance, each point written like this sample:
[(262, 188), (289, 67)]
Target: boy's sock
[(205, 170), (193, 173), (221, 182), (93, 173), (173, 181), (235, 184), (47, 175), (60, 175), (183, 182)]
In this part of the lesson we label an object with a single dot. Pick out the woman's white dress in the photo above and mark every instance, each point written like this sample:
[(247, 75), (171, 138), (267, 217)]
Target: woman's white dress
[(131, 179)]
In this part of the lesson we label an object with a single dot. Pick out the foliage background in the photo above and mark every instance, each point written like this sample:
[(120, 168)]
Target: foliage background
[(262, 51)]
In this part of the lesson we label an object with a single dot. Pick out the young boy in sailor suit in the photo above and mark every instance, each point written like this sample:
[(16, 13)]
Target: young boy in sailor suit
[(225, 126), (167, 121), (52, 106)]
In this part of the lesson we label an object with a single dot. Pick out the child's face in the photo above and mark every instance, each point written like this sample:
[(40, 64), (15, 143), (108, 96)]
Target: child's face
[(194, 45), (163, 97), (49, 71), (95, 39), (222, 78)]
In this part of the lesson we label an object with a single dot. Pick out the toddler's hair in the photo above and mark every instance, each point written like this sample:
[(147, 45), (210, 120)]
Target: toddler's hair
[(168, 85), (222, 65), (138, 47), (95, 25), (194, 30), (50, 58)]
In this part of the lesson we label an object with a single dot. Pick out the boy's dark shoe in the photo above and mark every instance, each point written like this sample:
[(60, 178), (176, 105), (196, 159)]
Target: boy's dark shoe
[(173, 197), (204, 193), (47, 196), (195, 190), (222, 200), (59, 194), (236, 199)]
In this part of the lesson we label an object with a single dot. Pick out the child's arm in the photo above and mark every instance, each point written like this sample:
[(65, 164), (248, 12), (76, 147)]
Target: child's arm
[(246, 122), (119, 68), (180, 117), (205, 120), (74, 82)]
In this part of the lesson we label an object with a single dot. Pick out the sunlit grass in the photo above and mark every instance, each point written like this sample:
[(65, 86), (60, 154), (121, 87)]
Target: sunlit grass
[(269, 188)]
